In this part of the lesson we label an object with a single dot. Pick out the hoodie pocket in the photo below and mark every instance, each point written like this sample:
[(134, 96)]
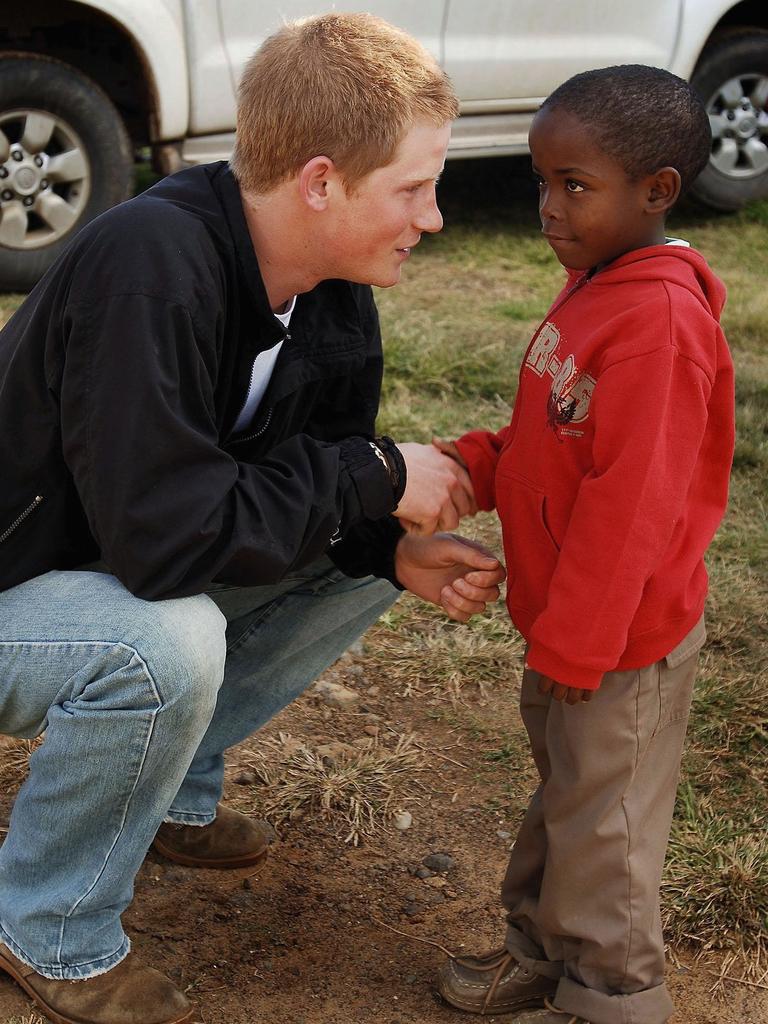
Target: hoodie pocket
[(530, 547)]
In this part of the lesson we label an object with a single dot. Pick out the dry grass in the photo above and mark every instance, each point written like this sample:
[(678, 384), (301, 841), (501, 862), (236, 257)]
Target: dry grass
[(357, 789), (14, 760), (424, 654)]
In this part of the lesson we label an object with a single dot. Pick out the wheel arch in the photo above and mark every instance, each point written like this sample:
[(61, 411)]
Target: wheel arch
[(703, 23), (119, 57)]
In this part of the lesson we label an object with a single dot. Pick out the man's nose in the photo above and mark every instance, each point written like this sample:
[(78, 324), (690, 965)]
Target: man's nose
[(429, 217)]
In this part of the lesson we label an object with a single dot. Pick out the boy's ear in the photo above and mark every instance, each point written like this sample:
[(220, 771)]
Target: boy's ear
[(663, 190)]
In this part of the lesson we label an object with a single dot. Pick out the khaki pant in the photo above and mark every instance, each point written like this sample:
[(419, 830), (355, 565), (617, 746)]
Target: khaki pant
[(582, 886)]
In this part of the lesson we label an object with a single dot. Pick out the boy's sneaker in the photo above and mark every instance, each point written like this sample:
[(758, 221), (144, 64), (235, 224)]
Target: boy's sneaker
[(493, 983)]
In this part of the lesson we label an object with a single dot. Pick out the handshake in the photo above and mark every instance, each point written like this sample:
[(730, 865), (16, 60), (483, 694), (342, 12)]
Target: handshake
[(438, 491), (458, 574)]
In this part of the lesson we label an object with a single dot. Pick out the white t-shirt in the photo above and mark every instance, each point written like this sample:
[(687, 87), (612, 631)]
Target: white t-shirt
[(261, 374)]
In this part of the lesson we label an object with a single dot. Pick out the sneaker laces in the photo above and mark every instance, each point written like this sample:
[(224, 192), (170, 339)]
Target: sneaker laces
[(503, 965)]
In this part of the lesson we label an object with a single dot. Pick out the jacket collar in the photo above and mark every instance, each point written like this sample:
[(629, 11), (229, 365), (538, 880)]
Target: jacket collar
[(227, 189)]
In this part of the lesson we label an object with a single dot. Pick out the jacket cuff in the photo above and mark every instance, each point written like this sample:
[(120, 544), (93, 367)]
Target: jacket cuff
[(548, 663), (480, 461), (370, 477), (368, 549)]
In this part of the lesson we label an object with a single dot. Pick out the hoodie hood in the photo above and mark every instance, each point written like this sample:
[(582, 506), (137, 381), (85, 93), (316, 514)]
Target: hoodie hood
[(676, 264)]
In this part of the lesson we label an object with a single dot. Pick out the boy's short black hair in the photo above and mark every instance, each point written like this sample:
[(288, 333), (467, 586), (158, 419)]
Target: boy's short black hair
[(644, 117)]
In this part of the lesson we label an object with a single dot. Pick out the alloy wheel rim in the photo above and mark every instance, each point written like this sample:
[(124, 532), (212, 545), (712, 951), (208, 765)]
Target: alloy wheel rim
[(739, 121), (45, 178)]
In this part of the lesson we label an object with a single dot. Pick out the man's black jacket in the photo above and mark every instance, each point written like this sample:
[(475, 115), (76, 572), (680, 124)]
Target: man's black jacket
[(121, 377)]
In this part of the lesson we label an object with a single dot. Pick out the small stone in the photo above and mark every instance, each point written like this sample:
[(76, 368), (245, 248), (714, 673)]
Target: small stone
[(411, 979), (504, 835), (357, 649), (247, 884), (335, 695), (412, 909), (424, 873), (450, 893), (438, 862), (435, 882), (403, 820), (373, 691), (246, 778), (371, 730)]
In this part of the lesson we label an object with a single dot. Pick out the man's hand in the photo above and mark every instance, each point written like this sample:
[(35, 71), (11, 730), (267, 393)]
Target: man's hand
[(559, 691), (457, 574), (438, 491)]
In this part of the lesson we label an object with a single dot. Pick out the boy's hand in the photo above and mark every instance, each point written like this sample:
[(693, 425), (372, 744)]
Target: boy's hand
[(458, 574), (559, 691), (449, 448)]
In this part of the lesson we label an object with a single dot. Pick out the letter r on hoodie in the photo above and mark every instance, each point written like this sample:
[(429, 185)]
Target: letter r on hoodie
[(544, 344)]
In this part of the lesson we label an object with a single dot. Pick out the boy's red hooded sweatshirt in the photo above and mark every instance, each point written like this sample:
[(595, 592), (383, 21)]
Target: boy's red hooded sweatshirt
[(612, 476)]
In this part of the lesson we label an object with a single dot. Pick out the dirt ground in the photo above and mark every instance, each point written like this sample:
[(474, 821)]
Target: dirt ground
[(303, 941)]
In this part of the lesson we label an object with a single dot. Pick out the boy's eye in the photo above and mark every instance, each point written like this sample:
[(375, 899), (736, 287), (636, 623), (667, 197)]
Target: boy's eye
[(573, 186), (539, 180)]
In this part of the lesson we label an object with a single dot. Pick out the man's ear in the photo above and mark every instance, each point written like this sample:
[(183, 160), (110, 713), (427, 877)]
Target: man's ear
[(316, 181), (663, 190)]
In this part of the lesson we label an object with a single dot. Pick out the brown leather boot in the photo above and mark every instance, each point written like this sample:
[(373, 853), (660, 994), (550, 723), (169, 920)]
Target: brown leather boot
[(492, 983), (130, 993), (232, 840)]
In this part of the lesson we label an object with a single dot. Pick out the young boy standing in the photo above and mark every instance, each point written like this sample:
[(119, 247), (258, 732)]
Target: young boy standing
[(610, 482)]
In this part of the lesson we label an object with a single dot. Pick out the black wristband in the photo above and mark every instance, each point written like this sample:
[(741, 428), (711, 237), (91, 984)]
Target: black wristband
[(395, 465)]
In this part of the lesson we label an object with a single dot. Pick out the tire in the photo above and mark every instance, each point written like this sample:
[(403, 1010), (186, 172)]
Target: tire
[(732, 81), (65, 157)]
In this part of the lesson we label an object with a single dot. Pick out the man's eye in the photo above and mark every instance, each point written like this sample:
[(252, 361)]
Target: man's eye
[(539, 180), (573, 186)]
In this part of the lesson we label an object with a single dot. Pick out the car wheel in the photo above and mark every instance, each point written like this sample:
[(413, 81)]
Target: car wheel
[(65, 157), (732, 81)]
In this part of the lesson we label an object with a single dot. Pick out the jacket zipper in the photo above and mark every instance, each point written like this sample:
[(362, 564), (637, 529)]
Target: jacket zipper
[(20, 519), (268, 420), (252, 437), (584, 279)]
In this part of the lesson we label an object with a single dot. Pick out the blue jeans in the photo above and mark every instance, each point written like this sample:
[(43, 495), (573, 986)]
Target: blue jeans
[(138, 701)]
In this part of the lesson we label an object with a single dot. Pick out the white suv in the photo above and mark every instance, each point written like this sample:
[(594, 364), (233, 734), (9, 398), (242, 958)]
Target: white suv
[(84, 84)]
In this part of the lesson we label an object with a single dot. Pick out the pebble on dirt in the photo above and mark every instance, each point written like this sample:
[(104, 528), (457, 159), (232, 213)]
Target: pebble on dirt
[(438, 862), (403, 820), (336, 695)]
